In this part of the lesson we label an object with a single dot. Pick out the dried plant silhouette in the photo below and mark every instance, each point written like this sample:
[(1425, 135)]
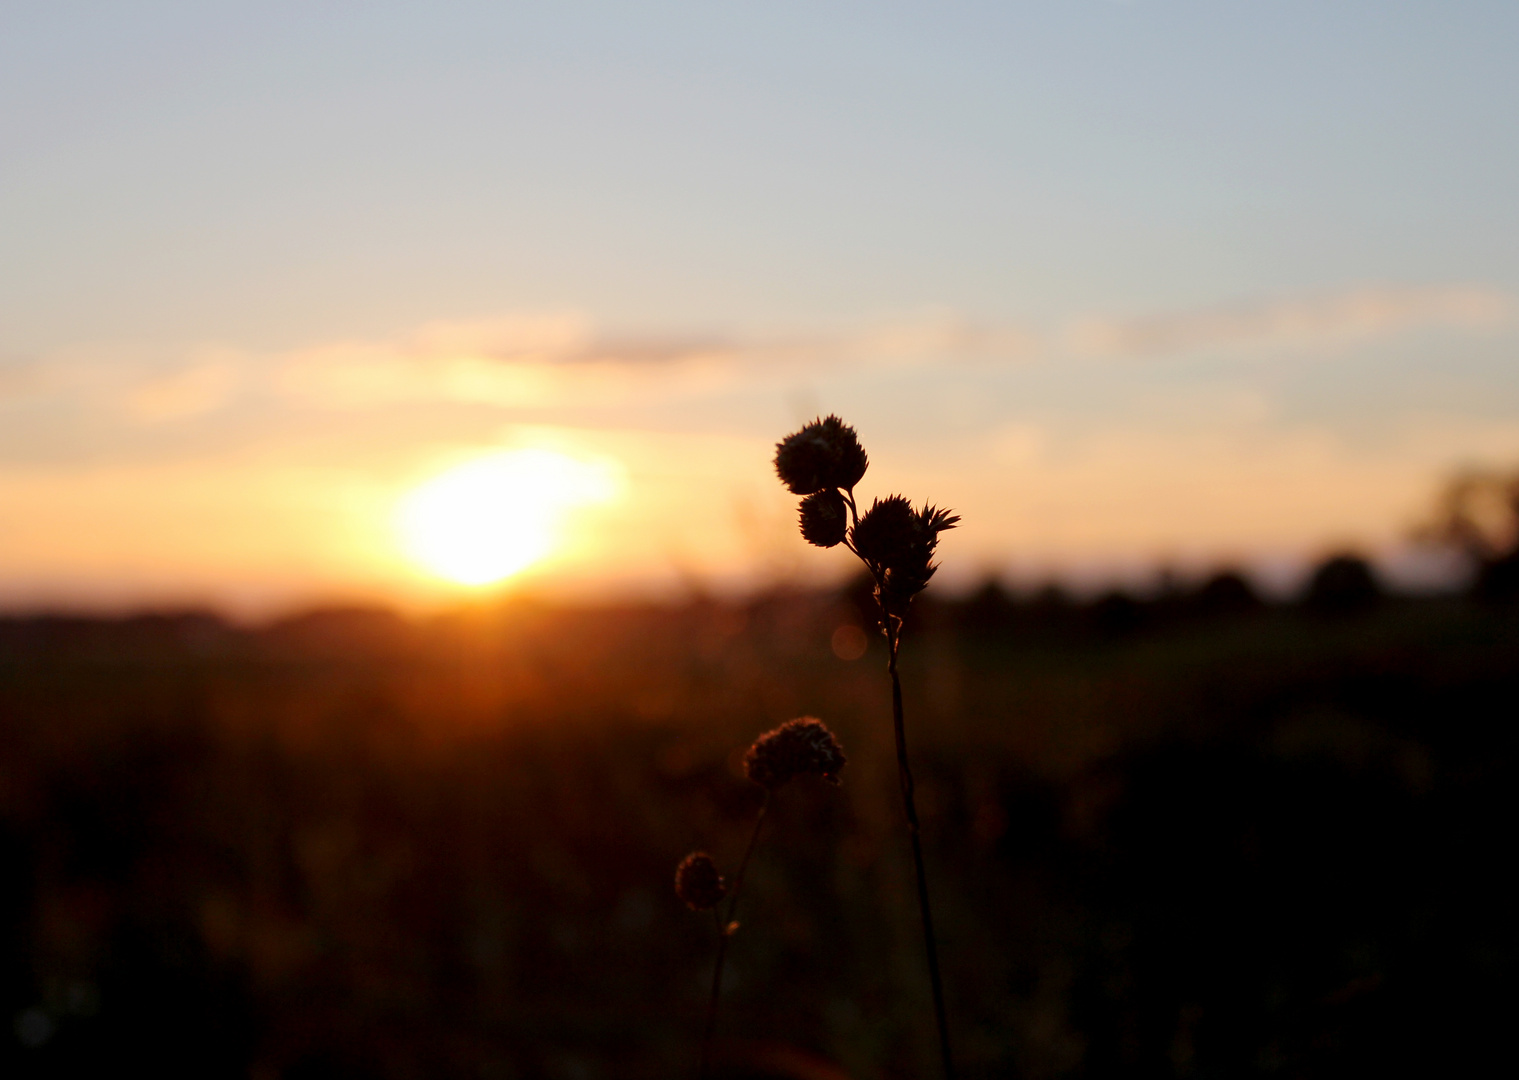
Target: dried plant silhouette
[(823, 462), (801, 747)]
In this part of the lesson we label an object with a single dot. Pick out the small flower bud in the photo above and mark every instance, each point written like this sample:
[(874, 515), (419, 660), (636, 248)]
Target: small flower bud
[(825, 518), (698, 883), (799, 747), (824, 454)]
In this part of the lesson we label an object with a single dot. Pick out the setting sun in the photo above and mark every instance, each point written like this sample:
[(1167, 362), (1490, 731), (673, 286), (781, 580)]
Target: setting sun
[(487, 519)]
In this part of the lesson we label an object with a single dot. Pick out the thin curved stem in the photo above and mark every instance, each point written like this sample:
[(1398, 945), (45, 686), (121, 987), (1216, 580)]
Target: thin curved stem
[(904, 775), (726, 927), (854, 519)]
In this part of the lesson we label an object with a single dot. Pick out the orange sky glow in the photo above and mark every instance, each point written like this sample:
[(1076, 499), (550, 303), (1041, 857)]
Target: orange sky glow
[(414, 305), (652, 475)]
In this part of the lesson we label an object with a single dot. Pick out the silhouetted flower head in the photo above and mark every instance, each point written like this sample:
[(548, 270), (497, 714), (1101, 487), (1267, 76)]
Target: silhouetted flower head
[(824, 454), (898, 543), (698, 883), (825, 519), (887, 531), (799, 747)]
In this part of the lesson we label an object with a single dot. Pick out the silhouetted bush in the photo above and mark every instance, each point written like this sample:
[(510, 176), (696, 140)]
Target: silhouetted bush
[(990, 609), (1225, 593), (1342, 584), (1498, 579)]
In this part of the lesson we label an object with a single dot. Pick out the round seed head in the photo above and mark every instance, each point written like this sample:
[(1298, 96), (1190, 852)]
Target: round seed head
[(799, 747), (887, 532), (825, 519), (698, 883), (824, 454)]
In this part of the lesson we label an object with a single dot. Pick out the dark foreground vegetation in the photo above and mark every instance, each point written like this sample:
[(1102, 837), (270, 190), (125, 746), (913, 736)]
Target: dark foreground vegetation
[(1193, 836)]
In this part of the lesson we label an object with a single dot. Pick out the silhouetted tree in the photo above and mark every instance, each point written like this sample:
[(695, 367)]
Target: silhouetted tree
[(989, 609), (1343, 583), (1225, 593), (1478, 514)]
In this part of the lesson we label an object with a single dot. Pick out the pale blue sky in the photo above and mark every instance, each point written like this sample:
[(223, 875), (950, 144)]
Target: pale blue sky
[(1328, 187), (282, 172)]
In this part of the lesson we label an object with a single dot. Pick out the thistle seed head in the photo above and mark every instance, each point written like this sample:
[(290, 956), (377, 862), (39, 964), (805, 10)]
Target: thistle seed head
[(799, 747), (698, 883), (887, 532), (824, 454), (825, 519), (898, 543)]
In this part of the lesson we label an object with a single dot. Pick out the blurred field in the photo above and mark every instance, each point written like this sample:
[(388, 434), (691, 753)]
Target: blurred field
[(1192, 836)]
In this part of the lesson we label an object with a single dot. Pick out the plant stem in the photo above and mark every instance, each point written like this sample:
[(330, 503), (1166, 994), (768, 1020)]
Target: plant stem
[(904, 774), (725, 930)]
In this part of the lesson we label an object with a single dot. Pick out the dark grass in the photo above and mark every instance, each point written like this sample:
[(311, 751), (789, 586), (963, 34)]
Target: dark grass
[(1165, 839)]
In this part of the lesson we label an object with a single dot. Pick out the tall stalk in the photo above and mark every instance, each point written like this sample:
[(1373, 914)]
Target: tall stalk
[(904, 776), (725, 930), (823, 462)]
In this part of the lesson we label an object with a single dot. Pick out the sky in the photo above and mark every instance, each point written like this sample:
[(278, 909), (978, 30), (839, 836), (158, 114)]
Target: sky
[(1129, 285)]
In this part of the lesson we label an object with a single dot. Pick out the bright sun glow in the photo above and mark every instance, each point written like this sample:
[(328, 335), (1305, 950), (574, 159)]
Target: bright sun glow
[(487, 519)]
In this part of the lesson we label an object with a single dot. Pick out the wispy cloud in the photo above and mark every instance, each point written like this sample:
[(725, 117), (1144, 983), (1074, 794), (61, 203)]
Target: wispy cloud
[(199, 388), (552, 361), (555, 360), (542, 361), (1323, 320)]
